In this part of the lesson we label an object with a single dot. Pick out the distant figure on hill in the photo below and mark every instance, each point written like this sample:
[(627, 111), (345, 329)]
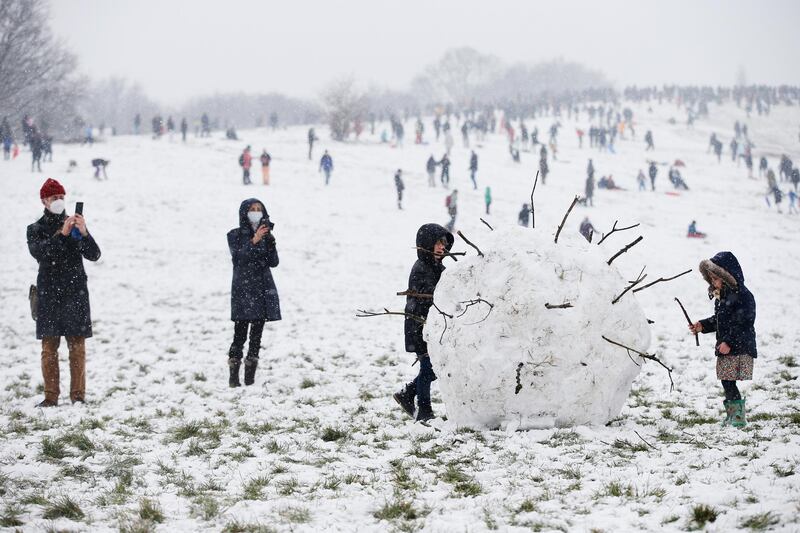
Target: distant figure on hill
[(326, 166)]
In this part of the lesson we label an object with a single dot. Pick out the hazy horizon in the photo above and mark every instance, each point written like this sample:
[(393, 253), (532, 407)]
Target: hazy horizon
[(182, 49)]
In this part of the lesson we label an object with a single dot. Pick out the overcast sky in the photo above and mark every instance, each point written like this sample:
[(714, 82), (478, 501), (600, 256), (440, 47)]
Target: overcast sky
[(182, 48)]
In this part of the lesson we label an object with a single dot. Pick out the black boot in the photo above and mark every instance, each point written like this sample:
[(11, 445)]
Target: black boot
[(250, 366), (425, 412), (234, 365), (405, 398)]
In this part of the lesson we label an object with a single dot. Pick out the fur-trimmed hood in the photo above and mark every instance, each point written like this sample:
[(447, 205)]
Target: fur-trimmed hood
[(725, 266)]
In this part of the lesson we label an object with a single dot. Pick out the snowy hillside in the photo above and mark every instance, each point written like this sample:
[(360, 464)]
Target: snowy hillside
[(317, 444)]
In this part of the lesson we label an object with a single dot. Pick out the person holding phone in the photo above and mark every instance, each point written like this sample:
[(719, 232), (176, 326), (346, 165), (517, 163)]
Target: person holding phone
[(254, 297), (63, 294)]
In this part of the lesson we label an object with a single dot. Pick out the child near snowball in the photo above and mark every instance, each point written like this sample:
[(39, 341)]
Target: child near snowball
[(433, 241), (733, 322)]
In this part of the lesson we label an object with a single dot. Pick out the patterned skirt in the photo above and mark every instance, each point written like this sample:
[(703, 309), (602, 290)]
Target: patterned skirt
[(734, 367)]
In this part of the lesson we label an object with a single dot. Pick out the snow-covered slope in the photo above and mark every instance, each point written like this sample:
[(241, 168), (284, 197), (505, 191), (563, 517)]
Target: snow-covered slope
[(317, 443)]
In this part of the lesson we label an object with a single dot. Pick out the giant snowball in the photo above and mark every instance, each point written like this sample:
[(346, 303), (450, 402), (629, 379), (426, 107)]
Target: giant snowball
[(518, 364)]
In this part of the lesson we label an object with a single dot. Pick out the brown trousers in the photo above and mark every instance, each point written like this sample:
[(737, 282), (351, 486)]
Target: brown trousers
[(77, 368), (265, 174)]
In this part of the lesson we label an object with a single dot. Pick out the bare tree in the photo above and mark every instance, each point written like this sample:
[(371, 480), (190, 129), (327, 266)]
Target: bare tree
[(457, 76), (344, 104), (37, 72)]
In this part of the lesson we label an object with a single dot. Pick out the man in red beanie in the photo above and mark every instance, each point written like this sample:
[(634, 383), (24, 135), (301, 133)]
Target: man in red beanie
[(63, 296)]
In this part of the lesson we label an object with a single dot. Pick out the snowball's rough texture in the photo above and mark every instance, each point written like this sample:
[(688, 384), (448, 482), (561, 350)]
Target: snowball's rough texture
[(563, 370)]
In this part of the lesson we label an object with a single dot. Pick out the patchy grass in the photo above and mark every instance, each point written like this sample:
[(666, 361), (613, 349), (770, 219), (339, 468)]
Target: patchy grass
[(398, 509), (295, 515), (63, 507), (760, 522), (331, 434), (702, 514), (12, 516), (253, 489), (150, 511)]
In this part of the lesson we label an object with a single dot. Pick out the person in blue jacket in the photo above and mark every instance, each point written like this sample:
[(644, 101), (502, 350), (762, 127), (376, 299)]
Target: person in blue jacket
[(733, 322), (254, 297), (326, 166)]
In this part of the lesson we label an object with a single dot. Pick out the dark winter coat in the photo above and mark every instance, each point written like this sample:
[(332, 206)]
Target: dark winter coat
[(63, 309), (734, 310), (424, 276), (253, 292), (430, 166), (398, 182), (473, 162)]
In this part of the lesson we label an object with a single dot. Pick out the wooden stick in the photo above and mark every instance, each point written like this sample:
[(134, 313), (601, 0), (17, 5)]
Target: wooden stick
[(533, 214), (642, 438), (558, 232), (487, 225), (560, 306), (634, 283), (659, 280), (445, 316), (365, 314), (476, 301), (628, 247), (415, 294), (613, 230), (644, 356), (444, 254), (467, 241), (689, 320)]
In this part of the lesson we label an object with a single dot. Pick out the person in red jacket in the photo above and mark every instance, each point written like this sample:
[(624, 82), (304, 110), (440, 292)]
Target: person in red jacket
[(246, 161)]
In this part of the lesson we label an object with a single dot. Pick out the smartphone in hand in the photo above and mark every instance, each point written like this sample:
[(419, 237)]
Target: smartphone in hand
[(79, 208)]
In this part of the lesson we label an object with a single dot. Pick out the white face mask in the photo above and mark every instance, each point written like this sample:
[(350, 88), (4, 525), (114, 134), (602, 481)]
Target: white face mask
[(254, 217), (57, 207)]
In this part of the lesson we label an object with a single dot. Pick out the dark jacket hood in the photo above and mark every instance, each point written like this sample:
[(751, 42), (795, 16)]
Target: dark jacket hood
[(244, 222), (427, 236), (726, 266)]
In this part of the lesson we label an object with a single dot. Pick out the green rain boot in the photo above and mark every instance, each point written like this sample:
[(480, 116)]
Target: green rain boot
[(730, 409), (738, 420)]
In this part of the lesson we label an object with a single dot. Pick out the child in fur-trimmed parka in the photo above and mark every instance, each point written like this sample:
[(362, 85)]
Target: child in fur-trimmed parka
[(733, 322)]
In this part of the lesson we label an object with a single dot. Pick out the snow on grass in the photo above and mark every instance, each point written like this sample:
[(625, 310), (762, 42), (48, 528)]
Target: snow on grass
[(317, 443)]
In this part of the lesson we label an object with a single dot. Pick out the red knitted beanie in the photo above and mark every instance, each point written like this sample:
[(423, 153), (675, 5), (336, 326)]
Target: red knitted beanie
[(50, 188)]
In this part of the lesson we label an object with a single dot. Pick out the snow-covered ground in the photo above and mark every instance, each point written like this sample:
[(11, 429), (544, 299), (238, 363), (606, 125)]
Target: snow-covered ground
[(318, 443)]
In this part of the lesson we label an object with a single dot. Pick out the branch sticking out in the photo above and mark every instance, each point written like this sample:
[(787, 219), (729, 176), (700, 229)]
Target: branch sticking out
[(628, 247), (659, 280), (468, 242), (445, 316), (366, 314), (560, 227), (613, 230), (454, 255), (487, 225), (476, 301), (415, 294), (633, 283), (566, 305), (644, 356), (689, 320), (533, 213)]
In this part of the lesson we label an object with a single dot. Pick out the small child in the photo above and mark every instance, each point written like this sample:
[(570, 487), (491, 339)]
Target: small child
[(432, 242), (733, 320)]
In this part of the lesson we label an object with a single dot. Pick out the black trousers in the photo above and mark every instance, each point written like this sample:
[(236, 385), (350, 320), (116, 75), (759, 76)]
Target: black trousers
[(731, 390), (256, 327)]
